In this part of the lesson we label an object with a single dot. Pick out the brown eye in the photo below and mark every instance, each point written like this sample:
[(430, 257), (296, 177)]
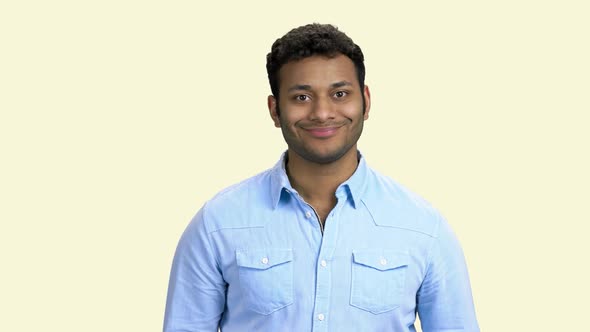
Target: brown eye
[(340, 94), (302, 97)]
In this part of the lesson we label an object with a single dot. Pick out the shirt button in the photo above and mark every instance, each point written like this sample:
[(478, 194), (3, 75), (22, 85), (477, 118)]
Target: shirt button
[(264, 260), (383, 261), (321, 317), (307, 214), (323, 263)]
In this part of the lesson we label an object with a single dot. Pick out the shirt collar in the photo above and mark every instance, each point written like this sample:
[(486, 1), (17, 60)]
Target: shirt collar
[(279, 182), (353, 188)]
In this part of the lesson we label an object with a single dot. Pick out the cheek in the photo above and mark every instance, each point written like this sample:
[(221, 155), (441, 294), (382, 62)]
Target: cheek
[(286, 124), (287, 119), (353, 112)]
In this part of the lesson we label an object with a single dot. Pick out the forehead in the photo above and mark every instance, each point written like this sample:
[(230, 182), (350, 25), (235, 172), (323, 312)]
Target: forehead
[(317, 71)]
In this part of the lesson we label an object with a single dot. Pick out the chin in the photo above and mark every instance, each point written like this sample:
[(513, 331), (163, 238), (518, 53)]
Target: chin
[(323, 158)]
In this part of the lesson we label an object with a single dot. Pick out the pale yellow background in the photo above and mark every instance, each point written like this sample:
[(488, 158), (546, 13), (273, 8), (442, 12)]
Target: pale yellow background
[(120, 118)]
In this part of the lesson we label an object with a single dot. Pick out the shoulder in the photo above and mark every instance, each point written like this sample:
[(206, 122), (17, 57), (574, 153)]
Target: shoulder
[(232, 206), (393, 205)]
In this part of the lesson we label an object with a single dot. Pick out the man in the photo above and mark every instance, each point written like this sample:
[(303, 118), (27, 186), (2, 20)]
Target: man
[(320, 242)]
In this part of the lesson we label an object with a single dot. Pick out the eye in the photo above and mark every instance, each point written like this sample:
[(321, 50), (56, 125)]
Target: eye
[(302, 97), (340, 94)]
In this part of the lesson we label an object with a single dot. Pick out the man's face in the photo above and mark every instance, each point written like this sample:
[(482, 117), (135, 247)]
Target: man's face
[(321, 107)]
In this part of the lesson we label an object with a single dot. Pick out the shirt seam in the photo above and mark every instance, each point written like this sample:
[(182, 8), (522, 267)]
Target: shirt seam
[(433, 235), (429, 259), (412, 230), (209, 244)]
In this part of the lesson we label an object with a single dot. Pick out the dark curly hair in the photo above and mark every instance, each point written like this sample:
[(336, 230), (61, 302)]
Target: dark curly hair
[(309, 40)]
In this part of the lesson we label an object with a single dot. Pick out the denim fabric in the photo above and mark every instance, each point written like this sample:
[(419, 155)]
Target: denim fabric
[(255, 258)]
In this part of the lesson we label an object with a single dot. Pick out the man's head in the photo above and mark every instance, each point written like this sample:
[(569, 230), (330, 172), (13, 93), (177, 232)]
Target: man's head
[(318, 72), (309, 40)]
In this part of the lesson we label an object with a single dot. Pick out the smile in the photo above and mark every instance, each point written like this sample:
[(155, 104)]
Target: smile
[(322, 132)]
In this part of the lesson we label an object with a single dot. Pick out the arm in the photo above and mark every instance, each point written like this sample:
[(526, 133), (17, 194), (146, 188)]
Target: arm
[(196, 292), (444, 300)]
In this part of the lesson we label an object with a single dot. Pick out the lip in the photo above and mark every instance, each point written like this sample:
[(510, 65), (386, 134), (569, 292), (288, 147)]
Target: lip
[(322, 132)]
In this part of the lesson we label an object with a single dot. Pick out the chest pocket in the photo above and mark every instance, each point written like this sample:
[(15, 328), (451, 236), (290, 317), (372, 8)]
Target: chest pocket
[(378, 279), (266, 278)]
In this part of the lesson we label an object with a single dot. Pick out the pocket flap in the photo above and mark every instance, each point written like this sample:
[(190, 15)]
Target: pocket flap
[(381, 259), (263, 259)]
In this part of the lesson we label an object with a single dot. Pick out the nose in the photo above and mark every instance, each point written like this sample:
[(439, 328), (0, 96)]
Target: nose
[(322, 109)]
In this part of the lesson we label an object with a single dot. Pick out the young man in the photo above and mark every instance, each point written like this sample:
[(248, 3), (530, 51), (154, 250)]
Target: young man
[(320, 242)]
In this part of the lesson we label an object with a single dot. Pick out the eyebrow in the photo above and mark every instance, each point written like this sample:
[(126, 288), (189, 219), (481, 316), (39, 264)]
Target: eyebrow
[(307, 87), (341, 84), (299, 87)]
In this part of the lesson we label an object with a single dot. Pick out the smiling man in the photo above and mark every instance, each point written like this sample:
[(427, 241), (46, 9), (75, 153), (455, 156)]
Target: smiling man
[(319, 242)]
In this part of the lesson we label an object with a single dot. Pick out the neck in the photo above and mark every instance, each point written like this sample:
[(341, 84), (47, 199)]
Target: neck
[(318, 182)]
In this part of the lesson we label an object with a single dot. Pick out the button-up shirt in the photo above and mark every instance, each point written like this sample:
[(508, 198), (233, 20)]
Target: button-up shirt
[(256, 258)]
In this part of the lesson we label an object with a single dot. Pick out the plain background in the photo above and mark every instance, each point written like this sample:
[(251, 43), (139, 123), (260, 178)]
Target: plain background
[(119, 119)]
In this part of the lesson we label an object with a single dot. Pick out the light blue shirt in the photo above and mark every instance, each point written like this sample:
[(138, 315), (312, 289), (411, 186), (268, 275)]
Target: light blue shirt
[(255, 258)]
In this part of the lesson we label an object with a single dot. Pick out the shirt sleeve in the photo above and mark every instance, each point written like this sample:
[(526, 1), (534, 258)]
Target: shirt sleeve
[(196, 292), (444, 300)]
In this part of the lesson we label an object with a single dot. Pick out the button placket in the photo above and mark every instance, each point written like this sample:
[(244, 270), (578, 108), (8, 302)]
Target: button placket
[(324, 271)]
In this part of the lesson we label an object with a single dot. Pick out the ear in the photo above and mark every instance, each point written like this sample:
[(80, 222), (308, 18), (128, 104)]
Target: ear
[(272, 109), (367, 94)]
